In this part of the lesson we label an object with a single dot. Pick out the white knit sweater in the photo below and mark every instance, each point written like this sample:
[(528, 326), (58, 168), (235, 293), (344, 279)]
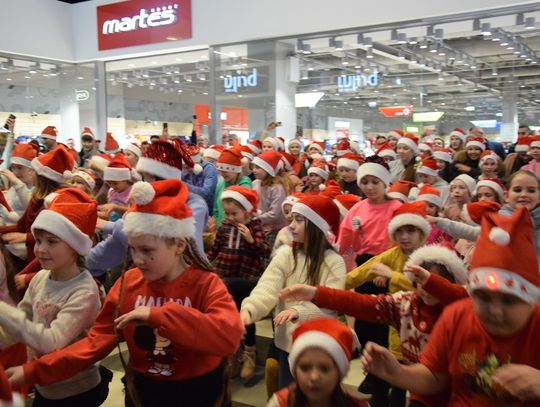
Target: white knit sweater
[(280, 274)]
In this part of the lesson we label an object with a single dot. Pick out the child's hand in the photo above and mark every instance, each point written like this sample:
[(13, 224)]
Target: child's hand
[(432, 219), (10, 176), (211, 225), (15, 375), (245, 316), (136, 316), (246, 233), (14, 237), (284, 316), (379, 361), (100, 224), (381, 270), (380, 281), (106, 209), (421, 275), (298, 292), (521, 381), (19, 282)]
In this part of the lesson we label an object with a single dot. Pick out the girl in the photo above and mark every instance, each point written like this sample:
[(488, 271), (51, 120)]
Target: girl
[(458, 139), (62, 300), (284, 236), (433, 269), (49, 170), (320, 355), (212, 153), (428, 174), (238, 256), (229, 166), (84, 180), (432, 198), (386, 152), (347, 166), (119, 175), (132, 153), (318, 174), (311, 260), (178, 319), (534, 151), (294, 183), (490, 165), (490, 189), (461, 192), (403, 167), (295, 148), (393, 137), (315, 147), (443, 158), (270, 186), (484, 349), (470, 163)]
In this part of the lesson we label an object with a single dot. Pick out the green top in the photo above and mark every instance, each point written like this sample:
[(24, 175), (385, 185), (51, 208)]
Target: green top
[(242, 181)]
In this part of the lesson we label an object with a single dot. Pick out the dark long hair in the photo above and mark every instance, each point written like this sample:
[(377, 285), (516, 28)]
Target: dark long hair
[(339, 398), (314, 247)]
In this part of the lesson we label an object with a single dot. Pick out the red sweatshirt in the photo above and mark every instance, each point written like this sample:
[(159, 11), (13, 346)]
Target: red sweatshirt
[(193, 325)]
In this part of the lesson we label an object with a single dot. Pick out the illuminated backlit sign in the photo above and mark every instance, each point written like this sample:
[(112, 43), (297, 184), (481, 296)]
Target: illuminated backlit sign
[(396, 111), (233, 82), (350, 83), (427, 116)]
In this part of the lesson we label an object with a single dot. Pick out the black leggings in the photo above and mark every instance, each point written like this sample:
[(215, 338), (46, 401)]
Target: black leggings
[(240, 288)]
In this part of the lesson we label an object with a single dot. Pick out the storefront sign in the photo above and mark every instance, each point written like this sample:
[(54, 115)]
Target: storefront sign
[(396, 111), (231, 84), (82, 95), (350, 83), (138, 22)]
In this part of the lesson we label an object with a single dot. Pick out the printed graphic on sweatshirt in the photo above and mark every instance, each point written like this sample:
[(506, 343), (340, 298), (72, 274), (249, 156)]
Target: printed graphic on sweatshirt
[(46, 313)]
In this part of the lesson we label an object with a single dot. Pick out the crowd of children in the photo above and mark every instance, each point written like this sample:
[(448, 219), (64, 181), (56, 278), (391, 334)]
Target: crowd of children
[(179, 250)]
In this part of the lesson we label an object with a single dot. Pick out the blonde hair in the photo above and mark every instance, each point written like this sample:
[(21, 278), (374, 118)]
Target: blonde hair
[(44, 186)]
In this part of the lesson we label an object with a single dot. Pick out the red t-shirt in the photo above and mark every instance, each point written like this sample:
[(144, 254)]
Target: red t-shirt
[(461, 348)]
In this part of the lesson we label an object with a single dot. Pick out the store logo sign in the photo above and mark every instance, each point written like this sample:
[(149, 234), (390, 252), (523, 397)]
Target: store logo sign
[(82, 95), (233, 83), (350, 83), (139, 22)]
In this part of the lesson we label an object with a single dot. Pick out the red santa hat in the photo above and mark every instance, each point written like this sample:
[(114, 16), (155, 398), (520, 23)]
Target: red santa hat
[(343, 147), (410, 214), (410, 141), (23, 154), (160, 209), (119, 169), (395, 133), (247, 153), (429, 194), (469, 182), (400, 190), (100, 161), (385, 150), (295, 141), (281, 143), (269, 161), (321, 211), (213, 151), (87, 132), (87, 177), (111, 145), (133, 148), (472, 213), (318, 145), (488, 155), (374, 169), (523, 143), (273, 141), (425, 146), (330, 335), (495, 184), (230, 160), (194, 152), (72, 216), (288, 160), (350, 160), (493, 265), (535, 141), (161, 159), (345, 202), (256, 146), (331, 188), (292, 199), (319, 167), (246, 197), (478, 142), (438, 254), (443, 154), (7, 397), (54, 164), (459, 133), (428, 167), (49, 132)]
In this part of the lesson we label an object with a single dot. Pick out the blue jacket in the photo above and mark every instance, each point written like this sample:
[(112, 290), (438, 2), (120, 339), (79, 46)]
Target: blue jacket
[(203, 184), (112, 251)]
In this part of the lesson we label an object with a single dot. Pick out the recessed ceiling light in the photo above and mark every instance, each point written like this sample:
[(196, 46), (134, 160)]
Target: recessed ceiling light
[(131, 65), (154, 62), (8, 79)]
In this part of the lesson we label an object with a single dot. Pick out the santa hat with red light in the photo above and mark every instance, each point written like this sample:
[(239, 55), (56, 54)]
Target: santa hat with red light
[(343, 147), (49, 132), (429, 194), (269, 161), (330, 335), (376, 167), (478, 142), (87, 176), (230, 160), (256, 146), (213, 151), (495, 184), (438, 254), (410, 141), (523, 143), (321, 211), (160, 209), (428, 167), (459, 133), (443, 154), (23, 154), (273, 141), (119, 169), (469, 182), (410, 214), (488, 155), (400, 190), (111, 145), (318, 145), (472, 213), (345, 202), (8, 398), (395, 133), (493, 265), (246, 197), (133, 148), (350, 160), (292, 199), (87, 132), (385, 150), (288, 160), (163, 160), (320, 168), (54, 165), (72, 216)]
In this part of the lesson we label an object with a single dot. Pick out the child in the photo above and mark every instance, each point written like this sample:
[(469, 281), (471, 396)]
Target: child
[(84, 180), (318, 174), (284, 236), (119, 175), (400, 190), (212, 153), (403, 168), (490, 189), (469, 164), (177, 318), (238, 256), (461, 192), (347, 166), (315, 147), (412, 313), (201, 177), (432, 198), (514, 161), (534, 151), (270, 187), (62, 300), (386, 152), (490, 164), (320, 355), (229, 166), (311, 260), (458, 138), (483, 348), (428, 174), (295, 148), (132, 153), (393, 137), (443, 158)]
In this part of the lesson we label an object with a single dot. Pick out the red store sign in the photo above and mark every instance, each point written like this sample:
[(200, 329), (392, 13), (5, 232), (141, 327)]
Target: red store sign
[(396, 111), (139, 22)]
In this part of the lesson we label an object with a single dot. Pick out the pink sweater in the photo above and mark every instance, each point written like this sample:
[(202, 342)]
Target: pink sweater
[(533, 167)]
